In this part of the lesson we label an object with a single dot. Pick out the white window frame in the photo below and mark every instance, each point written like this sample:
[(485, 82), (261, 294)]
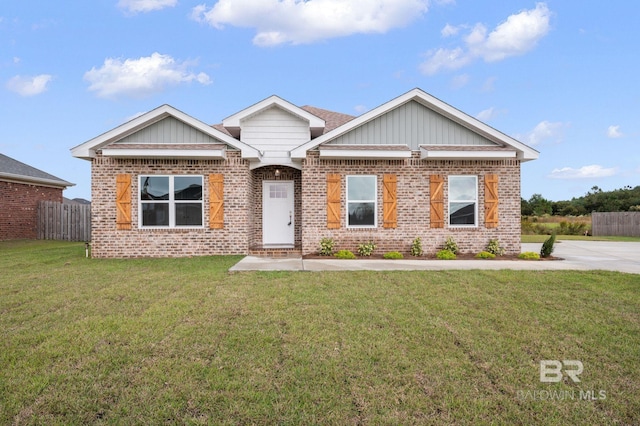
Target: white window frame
[(374, 201), (171, 202), (474, 201)]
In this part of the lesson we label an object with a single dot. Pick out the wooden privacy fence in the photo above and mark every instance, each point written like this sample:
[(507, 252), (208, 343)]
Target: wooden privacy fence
[(69, 222), (626, 224)]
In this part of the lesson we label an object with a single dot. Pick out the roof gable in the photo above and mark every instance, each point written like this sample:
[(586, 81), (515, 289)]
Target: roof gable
[(412, 124), (487, 133), (169, 130), (154, 120), (234, 123)]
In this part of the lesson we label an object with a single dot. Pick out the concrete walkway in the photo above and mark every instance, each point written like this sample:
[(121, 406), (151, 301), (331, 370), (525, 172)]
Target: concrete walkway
[(577, 255)]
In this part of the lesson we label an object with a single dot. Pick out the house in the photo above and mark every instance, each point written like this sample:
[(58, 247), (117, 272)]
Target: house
[(276, 177), (22, 187)]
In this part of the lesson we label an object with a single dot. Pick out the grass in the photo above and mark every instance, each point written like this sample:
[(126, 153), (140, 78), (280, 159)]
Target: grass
[(183, 341)]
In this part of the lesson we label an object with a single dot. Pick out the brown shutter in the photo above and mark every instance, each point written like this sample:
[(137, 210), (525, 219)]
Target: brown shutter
[(216, 201), (436, 191), (491, 201), (123, 201), (390, 201), (333, 201)]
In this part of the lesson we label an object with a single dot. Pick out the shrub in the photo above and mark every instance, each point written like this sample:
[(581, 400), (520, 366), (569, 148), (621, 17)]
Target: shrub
[(485, 255), (326, 246), (446, 255), (416, 247), (529, 255), (494, 247), (532, 228), (393, 255), (572, 228), (345, 254), (451, 245), (547, 246), (366, 249)]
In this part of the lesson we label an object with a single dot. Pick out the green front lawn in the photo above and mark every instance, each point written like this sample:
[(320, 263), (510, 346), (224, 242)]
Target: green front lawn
[(152, 341)]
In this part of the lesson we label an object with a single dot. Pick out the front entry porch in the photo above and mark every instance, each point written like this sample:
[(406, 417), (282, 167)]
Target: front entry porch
[(277, 206)]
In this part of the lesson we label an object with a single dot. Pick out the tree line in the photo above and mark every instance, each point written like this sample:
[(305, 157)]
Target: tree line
[(595, 200)]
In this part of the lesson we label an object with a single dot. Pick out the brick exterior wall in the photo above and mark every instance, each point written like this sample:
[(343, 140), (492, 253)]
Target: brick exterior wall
[(109, 242), (19, 208), (243, 206), (413, 206)]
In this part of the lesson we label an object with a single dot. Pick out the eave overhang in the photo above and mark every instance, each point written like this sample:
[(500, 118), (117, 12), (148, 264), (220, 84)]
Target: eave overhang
[(28, 180)]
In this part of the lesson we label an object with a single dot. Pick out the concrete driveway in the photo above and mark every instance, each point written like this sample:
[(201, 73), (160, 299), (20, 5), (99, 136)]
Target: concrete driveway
[(576, 255)]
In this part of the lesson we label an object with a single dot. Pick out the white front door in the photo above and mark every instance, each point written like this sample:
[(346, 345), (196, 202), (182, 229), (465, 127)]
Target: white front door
[(277, 213)]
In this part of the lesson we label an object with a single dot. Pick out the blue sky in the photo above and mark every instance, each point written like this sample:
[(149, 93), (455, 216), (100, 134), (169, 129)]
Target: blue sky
[(560, 76)]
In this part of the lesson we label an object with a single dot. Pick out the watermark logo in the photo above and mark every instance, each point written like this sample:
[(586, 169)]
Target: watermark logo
[(552, 371)]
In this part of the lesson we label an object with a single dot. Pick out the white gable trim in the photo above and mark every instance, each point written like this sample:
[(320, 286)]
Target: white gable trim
[(471, 154), (524, 152), (233, 123), (366, 152), (88, 149), (196, 154)]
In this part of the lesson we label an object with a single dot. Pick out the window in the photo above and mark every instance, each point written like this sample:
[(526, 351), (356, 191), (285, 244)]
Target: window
[(361, 201), (463, 200), (170, 201)]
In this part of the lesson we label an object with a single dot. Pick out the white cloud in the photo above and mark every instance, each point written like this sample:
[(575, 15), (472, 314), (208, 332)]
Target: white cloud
[(459, 81), (545, 131), (614, 132), (29, 86), (489, 114), (451, 59), (140, 77), (585, 172), (489, 85), (142, 6), (360, 109), (449, 30), (301, 22), (517, 35)]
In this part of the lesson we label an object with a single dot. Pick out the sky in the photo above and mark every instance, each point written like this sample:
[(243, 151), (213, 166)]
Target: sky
[(559, 76)]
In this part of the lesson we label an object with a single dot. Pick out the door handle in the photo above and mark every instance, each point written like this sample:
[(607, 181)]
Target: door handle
[(289, 224)]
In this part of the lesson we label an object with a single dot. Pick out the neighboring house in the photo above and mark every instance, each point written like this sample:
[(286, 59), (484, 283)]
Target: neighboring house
[(21, 188), (275, 176)]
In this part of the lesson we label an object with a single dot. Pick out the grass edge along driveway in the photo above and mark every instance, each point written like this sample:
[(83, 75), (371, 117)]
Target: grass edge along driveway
[(183, 341)]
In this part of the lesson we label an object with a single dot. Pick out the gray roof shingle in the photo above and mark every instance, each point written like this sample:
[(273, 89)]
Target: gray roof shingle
[(16, 170)]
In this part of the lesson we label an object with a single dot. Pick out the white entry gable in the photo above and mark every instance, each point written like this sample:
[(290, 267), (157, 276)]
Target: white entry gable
[(274, 127)]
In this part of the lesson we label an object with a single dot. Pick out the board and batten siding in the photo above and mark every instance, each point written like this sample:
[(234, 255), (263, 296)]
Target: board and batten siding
[(412, 124), (274, 130), (168, 131)]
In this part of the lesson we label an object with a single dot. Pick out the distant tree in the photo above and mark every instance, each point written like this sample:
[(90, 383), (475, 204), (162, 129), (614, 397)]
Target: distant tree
[(564, 208), (626, 198), (525, 207), (540, 205)]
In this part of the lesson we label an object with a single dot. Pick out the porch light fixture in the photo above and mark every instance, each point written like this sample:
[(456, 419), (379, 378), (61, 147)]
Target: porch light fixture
[(277, 172)]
